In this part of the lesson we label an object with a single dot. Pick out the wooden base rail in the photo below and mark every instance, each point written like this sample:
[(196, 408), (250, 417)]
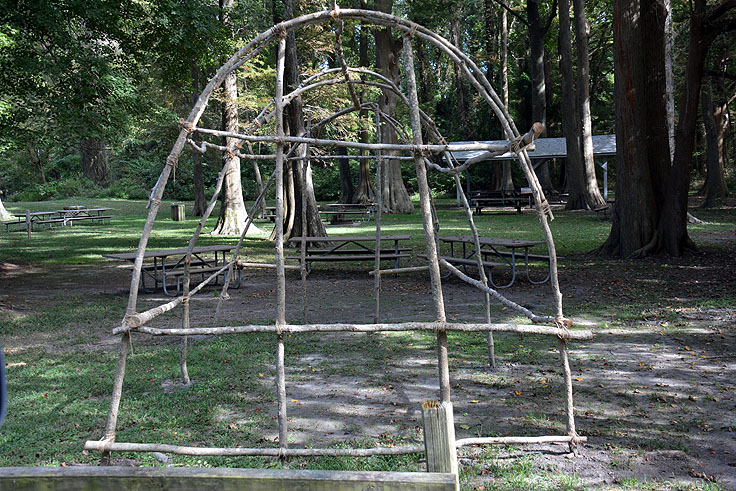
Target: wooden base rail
[(184, 478)]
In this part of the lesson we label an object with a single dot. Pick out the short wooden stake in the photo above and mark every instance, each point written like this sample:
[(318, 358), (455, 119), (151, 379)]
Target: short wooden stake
[(439, 438)]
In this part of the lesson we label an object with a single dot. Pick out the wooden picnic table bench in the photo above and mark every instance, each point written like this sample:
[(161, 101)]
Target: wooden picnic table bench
[(350, 248), (509, 197), (495, 252), (335, 213), (162, 269), (66, 216)]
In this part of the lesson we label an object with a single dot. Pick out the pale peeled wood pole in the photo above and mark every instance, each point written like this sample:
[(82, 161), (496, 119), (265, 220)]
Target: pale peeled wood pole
[(136, 322)]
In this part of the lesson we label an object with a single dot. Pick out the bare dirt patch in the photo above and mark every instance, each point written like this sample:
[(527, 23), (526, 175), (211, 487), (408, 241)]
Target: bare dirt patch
[(654, 392)]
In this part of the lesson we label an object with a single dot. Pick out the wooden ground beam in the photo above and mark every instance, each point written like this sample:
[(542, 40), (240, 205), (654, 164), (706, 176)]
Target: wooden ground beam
[(179, 479)]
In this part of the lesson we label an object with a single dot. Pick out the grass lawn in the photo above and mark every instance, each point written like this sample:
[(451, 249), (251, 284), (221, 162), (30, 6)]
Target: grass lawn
[(56, 318)]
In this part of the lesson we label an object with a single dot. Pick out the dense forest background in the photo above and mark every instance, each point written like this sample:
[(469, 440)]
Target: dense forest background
[(91, 92)]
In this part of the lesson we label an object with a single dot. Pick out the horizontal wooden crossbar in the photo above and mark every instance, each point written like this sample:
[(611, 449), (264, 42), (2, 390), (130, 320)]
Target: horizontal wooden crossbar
[(406, 326)]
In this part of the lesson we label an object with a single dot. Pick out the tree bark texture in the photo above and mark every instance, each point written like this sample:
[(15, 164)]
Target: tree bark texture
[(395, 196), (293, 175), (591, 193), (715, 131), (95, 161), (232, 209), (365, 193), (347, 188), (536, 68), (574, 175), (635, 215)]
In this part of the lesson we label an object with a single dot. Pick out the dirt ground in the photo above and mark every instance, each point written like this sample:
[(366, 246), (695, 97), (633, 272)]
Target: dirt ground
[(654, 392)]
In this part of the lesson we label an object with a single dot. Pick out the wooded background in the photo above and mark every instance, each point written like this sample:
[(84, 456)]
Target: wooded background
[(91, 93)]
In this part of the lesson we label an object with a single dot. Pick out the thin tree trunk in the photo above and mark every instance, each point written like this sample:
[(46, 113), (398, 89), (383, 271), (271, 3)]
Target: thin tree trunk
[(713, 118), (200, 200), (460, 89), (37, 161), (506, 176), (593, 196), (574, 174), (536, 67)]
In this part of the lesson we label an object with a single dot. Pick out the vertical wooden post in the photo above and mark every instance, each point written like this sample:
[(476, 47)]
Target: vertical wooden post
[(429, 235), (117, 392), (379, 206), (280, 273), (569, 406), (28, 223), (439, 438)]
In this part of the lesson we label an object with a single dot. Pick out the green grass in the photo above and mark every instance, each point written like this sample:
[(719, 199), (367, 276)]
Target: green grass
[(60, 380)]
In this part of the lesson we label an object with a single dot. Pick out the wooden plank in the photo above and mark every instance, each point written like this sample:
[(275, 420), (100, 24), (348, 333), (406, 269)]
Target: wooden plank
[(175, 478), (364, 257), (465, 261)]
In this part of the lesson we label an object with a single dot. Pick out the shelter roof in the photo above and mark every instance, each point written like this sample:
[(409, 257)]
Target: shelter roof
[(546, 148)]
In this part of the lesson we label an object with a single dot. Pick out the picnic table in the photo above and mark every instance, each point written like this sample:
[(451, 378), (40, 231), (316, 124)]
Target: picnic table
[(495, 252), (168, 264), (350, 248), (337, 212), (508, 197), (63, 217)]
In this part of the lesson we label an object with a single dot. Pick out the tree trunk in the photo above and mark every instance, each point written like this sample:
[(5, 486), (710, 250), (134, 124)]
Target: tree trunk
[(232, 209), (200, 200), (365, 193), (4, 215), (395, 196), (37, 161), (95, 162), (575, 178), (635, 214), (593, 196), (713, 118), (294, 175), (506, 176), (460, 89), (673, 226), (347, 189), (536, 67)]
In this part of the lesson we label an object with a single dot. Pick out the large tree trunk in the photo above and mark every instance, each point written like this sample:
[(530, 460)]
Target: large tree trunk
[(593, 196), (200, 200), (4, 215), (365, 193), (536, 67), (296, 181), (635, 216), (395, 196), (95, 161), (575, 177), (232, 210)]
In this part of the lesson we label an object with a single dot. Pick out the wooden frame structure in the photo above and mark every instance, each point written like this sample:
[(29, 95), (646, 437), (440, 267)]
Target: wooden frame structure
[(423, 154)]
